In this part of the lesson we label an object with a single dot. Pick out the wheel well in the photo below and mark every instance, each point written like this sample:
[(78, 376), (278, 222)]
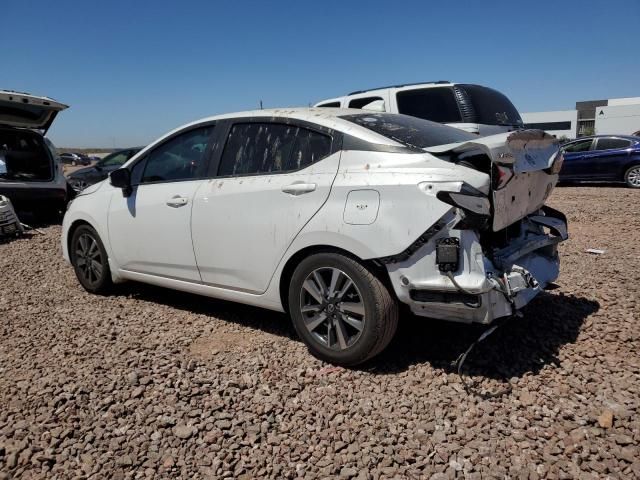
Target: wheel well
[(629, 166), (287, 272), (74, 226)]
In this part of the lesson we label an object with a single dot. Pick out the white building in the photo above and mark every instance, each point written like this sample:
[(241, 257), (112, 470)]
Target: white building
[(561, 123), (593, 117)]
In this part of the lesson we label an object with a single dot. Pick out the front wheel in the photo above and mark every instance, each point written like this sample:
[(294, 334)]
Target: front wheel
[(90, 261), (632, 177), (340, 309), (78, 184)]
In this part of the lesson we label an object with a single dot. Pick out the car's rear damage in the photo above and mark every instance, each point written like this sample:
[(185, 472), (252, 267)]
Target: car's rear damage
[(496, 248)]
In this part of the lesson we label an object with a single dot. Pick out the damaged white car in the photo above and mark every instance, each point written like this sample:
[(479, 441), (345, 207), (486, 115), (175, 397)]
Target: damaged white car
[(333, 215)]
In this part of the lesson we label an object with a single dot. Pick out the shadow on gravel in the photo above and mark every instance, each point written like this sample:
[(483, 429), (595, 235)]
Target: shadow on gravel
[(250, 317), (520, 346), (593, 184), (33, 225)]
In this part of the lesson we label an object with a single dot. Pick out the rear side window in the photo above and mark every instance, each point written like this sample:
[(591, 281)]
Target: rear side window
[(581, 146), (437, 104), (255, 148), (611, 143), (180, 158), (410, 131), (363, 102), (330, 105)]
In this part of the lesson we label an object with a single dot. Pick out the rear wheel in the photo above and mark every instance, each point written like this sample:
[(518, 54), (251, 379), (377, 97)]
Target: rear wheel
[(340, 309), (90, 261), (632, 177)]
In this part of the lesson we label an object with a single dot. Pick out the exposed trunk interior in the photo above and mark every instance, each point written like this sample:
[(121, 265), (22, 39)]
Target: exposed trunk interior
[(24, 157)]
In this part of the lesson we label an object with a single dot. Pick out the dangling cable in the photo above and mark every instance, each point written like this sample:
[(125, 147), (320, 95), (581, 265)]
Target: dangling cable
[(459, 362)]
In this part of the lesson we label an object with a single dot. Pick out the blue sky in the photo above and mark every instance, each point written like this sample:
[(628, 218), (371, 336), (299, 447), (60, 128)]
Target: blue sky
[(133, 70)]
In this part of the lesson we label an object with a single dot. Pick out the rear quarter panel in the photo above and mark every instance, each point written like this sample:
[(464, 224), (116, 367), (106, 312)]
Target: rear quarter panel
[(407, 187)]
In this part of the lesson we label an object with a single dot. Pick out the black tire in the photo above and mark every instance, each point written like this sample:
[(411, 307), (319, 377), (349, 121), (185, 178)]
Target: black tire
[(632, 176), (90, 261), (346, 336)]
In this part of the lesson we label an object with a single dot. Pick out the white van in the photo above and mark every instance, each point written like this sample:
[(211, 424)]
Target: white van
[(469, 107)]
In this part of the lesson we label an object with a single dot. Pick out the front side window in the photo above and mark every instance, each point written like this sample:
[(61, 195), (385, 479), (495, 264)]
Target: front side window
[(255, 148), (437, 104), (581, 146), (180, 158), (612, 143)]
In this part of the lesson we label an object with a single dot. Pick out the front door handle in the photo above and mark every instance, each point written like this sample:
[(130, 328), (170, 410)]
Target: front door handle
[(177, 201), (299, 188)]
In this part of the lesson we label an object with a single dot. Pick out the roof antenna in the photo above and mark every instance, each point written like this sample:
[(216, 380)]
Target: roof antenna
[(260, 104)]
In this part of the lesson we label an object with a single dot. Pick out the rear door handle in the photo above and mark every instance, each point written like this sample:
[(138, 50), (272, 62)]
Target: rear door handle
[(177, 201), (299, 188)]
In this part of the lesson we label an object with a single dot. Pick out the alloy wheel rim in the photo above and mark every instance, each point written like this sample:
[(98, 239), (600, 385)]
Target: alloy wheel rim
[(332, 308), (634, 177), (88, 258), (79, 185)]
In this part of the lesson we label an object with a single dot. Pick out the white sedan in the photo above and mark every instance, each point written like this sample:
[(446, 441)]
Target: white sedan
[(332, 215)]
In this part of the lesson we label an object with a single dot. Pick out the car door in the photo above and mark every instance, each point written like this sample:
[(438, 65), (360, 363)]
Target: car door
[(271, 179), (575, 167), (608, 158), (150, 230)]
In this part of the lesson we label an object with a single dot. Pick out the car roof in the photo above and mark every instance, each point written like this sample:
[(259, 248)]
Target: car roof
[(437, 82), (325, 117), (591, 137)]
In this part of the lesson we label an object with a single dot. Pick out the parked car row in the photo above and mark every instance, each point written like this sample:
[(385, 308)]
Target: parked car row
[(74, 159), (335, 215), (82, 178)]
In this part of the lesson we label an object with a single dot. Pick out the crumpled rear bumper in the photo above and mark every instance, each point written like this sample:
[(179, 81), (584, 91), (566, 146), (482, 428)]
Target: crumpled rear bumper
[(485, 288)]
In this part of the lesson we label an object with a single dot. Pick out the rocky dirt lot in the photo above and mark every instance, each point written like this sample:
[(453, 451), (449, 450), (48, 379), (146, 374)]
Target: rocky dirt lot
[(148, 383)]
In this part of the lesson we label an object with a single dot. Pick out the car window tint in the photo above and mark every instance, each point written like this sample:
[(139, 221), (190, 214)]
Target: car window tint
[(271, 148), (611, 143), (410, 131), (362, 102), (581, 146), (330, 105), (437, 104), (180, 158), (114, 159)]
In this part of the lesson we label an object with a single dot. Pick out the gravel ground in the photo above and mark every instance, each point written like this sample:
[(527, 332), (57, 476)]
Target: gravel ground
[(149, 383)]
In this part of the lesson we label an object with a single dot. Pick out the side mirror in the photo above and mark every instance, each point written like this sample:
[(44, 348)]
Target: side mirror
[(121, 178)]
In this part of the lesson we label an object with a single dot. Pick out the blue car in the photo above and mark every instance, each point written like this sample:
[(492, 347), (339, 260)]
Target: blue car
[(602, 158)]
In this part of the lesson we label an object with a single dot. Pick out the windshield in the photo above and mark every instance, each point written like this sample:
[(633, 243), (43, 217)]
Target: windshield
[(487, 106), (410, 131), (115, 159)]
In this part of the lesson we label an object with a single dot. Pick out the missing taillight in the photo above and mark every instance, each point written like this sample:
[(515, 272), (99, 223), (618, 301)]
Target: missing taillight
[(474, 206), (501, 175), (556, 166)]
